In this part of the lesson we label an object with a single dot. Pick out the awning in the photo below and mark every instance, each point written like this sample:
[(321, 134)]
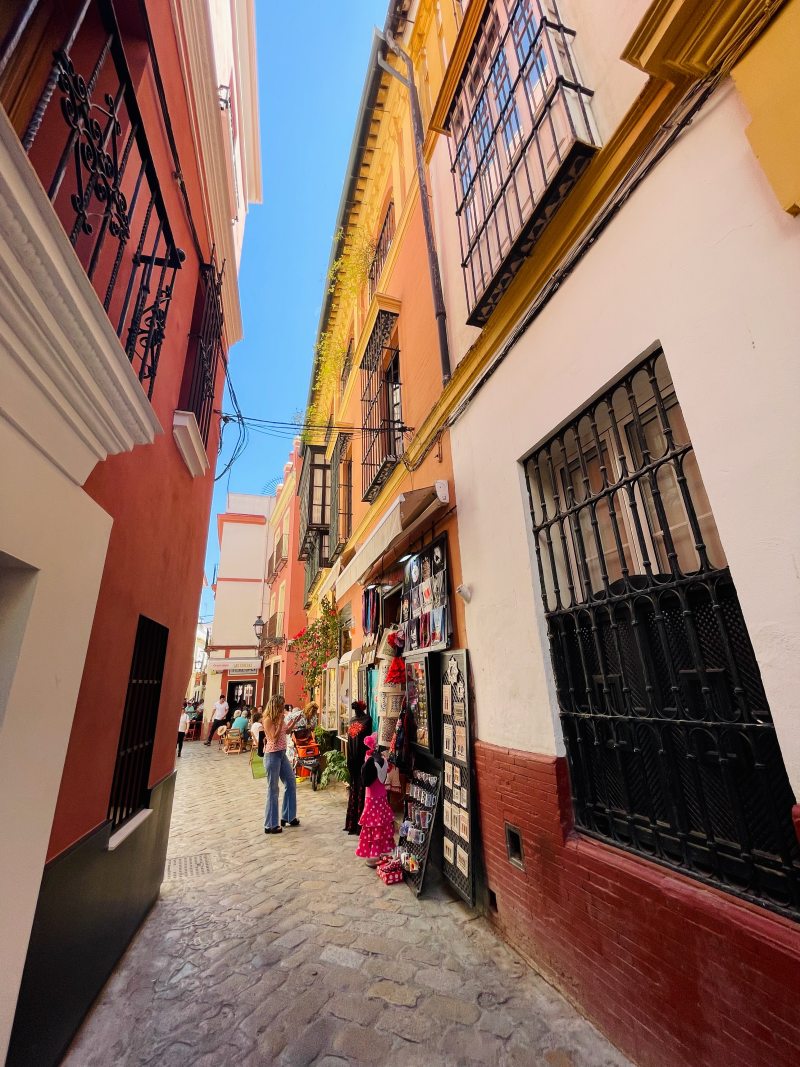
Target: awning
[(409, 511)]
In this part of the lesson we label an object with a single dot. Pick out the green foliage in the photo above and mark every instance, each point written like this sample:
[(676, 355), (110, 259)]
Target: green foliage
[(316, 644), (322, 737), (335, 767)]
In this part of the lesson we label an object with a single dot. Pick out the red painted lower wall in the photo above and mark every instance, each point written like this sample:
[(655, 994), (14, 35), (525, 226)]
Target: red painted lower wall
[(675, 973)]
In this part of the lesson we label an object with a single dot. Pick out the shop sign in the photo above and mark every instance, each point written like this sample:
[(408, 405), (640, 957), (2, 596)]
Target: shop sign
[(235, 666)]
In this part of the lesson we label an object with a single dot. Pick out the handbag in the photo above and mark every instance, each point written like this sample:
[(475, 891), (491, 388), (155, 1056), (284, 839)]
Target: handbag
[(257, 765)]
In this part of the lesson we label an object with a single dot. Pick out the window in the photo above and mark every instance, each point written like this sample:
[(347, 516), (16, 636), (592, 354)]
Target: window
[(315, 497), (341, 495), (671, 747), (129, 788), (205, 350), (520, 123), (381, 411), (382, 246)]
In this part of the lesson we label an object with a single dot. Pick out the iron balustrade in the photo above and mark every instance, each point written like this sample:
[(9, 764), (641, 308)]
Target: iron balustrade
[(315, 500), (381, 408), (273, 634), (521, 135), (670, 742), (341, 496), (277, 559), (206, 351), (80, 123), (382, 246), (129, 787)]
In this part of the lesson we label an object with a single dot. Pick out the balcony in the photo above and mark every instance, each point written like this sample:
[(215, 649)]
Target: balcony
[(521, 136), (277, 560), (206, 351), (273, 635), (78, 120), (315, 503)]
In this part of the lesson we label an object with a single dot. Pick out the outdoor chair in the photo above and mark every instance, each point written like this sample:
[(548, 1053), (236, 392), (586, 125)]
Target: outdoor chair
[(233, 742), (195, 728)]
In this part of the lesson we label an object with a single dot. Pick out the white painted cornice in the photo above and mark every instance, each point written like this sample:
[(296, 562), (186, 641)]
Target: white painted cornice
[(192, 21), (67, 384), (247, 79)]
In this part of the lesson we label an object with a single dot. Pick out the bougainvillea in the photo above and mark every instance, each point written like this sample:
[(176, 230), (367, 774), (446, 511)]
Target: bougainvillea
[(316, 644)]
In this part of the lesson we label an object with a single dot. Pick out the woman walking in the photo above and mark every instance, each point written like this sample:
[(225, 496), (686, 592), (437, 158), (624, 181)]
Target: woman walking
[(278, 770)]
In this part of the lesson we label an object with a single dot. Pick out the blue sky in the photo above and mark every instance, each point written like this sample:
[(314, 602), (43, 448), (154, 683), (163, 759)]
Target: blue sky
[(312, 60)]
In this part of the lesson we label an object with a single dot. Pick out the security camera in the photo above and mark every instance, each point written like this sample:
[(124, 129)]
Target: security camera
[(464, 592)]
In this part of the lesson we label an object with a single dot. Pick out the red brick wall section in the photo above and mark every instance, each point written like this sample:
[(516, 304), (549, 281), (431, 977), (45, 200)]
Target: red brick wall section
[(675, 973)]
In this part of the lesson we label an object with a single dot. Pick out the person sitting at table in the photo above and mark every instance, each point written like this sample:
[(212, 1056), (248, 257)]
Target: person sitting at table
[(240, 722)]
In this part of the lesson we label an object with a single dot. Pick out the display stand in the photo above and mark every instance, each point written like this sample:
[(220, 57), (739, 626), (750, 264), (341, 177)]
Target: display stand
[(458, 864), (420, 806)]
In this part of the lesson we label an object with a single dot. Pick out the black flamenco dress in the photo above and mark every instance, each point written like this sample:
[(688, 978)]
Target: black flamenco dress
[(359, 729)]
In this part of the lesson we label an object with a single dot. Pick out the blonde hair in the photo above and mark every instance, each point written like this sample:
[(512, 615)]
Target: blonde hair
[(274, 709), (312, 708)]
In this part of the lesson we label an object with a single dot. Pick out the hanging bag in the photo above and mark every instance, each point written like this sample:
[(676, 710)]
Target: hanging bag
[(257, 765)]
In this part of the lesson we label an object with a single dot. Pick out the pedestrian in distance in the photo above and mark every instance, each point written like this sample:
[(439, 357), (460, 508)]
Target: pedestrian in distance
[(183, 726), (218, 718), (377, 818), (279, 769)]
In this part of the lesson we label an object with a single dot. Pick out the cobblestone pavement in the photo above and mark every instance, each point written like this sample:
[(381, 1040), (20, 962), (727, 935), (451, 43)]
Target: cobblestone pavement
[(291, 951)]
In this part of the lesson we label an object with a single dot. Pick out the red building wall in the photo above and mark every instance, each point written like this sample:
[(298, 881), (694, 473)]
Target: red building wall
[(665, 966), (154, 565)]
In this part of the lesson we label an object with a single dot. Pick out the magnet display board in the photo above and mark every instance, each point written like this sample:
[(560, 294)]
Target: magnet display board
[(458, 864)]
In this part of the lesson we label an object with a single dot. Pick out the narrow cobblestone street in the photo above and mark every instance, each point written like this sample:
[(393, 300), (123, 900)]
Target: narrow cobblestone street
[(289, 950)]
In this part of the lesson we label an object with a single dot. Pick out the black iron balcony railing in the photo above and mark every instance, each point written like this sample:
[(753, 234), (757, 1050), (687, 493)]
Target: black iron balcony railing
[(205, 359), (70, 95), (341, 496), (315, 502), (277, 559), (273, 634), (521, 136), (382, 247)]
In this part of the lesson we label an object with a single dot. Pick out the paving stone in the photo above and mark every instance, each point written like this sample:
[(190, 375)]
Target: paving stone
[(361, 1044), (450, 1009), (393, 993), (354, 1009), (291, 952)]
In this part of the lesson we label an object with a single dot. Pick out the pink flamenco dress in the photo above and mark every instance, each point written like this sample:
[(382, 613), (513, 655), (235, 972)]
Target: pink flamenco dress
[(377, 818)]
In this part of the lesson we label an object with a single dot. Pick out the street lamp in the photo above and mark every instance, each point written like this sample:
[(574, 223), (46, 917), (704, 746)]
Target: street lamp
[(258, 626)]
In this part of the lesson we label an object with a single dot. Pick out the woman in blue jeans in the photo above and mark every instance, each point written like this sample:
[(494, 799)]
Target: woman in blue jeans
[(278, 768)]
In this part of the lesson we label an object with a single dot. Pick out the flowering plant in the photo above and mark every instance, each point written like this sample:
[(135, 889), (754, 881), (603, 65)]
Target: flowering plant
[(315, 644)]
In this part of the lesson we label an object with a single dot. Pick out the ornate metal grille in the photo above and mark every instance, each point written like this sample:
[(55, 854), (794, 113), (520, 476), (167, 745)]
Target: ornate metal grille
[(315, 563), (347, 366), (341, 495), (522, 135), (382, 246), (129, 788), (92, 156), (671, 747), (382, 420), (208, 351)]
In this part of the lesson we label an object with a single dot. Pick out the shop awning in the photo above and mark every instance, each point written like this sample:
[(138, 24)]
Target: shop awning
[(409, 511)]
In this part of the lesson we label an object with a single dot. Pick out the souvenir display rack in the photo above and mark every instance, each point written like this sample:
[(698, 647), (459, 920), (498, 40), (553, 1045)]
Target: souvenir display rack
[(458, 860), (420, 806), (425, 613)]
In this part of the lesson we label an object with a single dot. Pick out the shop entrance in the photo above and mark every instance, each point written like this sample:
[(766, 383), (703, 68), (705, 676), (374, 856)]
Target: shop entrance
[(240, 692)]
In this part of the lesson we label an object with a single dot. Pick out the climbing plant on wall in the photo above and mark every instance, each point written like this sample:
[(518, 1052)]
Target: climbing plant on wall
[(315, 645)]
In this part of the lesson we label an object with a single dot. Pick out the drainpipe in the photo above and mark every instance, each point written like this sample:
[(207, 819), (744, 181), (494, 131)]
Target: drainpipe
[(419, 138)]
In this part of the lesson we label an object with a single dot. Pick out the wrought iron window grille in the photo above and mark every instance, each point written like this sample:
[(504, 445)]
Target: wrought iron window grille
[(102, 183), (671, 747), (129, 787), (381, 407), (316, 562), (206, 350), (347, 366), (382, 246), (521, 133)]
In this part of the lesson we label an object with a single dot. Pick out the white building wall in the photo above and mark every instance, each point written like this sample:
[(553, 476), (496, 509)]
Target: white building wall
[(703, 260), (59, 536)]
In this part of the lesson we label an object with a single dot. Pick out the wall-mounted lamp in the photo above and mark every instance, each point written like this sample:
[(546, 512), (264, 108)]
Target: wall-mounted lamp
[(465, 592), (258, 626)]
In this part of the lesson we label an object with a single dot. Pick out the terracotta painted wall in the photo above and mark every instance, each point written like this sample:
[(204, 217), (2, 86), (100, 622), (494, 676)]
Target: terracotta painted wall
[(154, 565)]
